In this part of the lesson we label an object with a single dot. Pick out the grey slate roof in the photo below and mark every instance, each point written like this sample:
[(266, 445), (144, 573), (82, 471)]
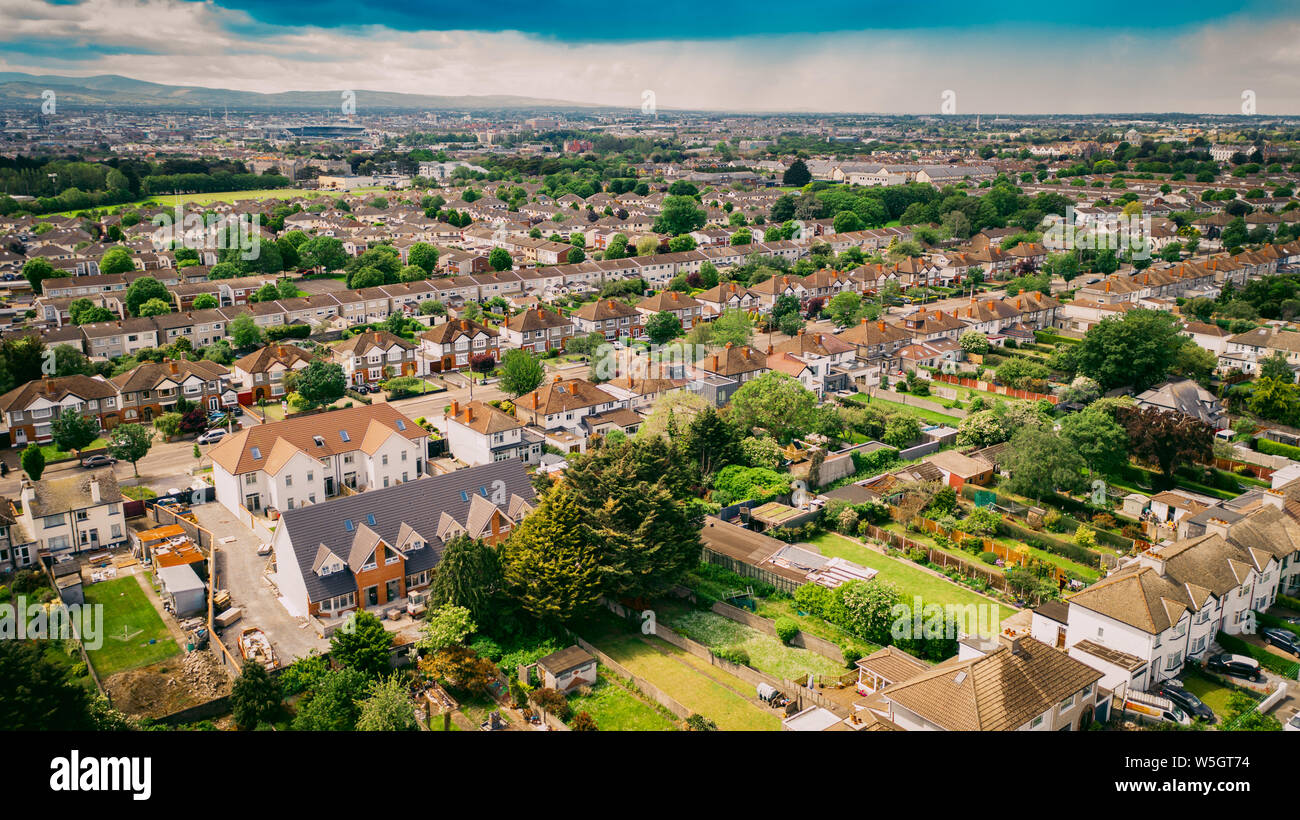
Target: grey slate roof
[(420, 503)]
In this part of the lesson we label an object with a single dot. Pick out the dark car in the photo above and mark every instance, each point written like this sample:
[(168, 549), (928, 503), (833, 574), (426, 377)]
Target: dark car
[(1190, 703), (99, 460), (362, 389), (1283, 639), (1238, 666)]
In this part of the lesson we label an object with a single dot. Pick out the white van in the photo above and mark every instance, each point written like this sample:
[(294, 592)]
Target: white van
[(1155, 709)]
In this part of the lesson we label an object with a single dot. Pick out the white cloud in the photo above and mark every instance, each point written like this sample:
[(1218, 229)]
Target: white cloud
[(995, 70)]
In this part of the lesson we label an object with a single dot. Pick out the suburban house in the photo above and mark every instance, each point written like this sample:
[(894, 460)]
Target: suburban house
[(374, 550), (1141, 623), (611, 318), (311, 457), (261, 373), (687, 310), (1007, 683), (450, 345), (1186, 397), (30, 410), (478, 433), (151, 389), (560, 406), (375, 356), (536, 331), (81, 512)]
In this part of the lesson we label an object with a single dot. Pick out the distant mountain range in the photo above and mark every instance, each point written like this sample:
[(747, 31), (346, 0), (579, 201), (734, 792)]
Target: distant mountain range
[(113, 90)]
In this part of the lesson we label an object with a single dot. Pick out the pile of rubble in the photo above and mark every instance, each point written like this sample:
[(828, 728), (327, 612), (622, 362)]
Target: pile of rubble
[(204, 675)]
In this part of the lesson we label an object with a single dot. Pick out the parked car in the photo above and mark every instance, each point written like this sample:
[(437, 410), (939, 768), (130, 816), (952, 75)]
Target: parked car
[(1188, 702), (363, 389), (1237, 666), (99, 460), (1283, 639), (1292, 725), (212, 436)]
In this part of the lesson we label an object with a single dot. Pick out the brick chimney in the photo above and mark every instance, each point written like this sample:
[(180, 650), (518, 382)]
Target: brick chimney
[(94, 490), (455, 408), (1217, 526), (174, 367), (1274, 498)]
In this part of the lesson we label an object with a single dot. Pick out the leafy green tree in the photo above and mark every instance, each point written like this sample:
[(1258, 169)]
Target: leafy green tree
[(468, 576), (387, 707), (130, 442), (224, 270), (1038, 462), (205, 301), (733, 326), (447, 625), (362, 643), (551, 562), (36, 271), (679, 215), (33, 461), (423, 256), (499, 259), (323, 253), (334, 705), (154, 307), (266, 293), (901, 430), (41, 696), (775, 402), (244, 332), (1137, 348), (844, 307), (168, 424), (1100, 440), (521, 372), (142, 290), (115, 261), (663, 327), (711, 443), (255, 696), (736, 483), (73, 432), (1275, 366), (868, 609), (318, 384)]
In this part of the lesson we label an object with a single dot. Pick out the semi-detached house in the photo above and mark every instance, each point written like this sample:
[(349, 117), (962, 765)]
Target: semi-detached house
[(309, 458), (1141, 623), (379, 550)]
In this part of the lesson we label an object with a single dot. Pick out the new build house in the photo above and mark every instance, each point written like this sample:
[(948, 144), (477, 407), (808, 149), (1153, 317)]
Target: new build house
[(309, 458), (373, 550)]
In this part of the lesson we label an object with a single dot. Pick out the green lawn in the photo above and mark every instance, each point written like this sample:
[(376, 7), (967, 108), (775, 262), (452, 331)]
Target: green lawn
[(911, 410), (1212, 692), (910, 579), (134, 635), (766, 653), (616, 709), (692, 681), (53, 453)]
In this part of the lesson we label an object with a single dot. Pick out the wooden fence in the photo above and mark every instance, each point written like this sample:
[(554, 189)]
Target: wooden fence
[(994, 387), (995, 579)]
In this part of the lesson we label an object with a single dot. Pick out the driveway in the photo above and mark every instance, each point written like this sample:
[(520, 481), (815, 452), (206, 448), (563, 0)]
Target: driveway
[(244, 573)]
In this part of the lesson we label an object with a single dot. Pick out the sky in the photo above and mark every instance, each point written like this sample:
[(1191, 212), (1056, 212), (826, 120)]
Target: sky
[(1013, 57)]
